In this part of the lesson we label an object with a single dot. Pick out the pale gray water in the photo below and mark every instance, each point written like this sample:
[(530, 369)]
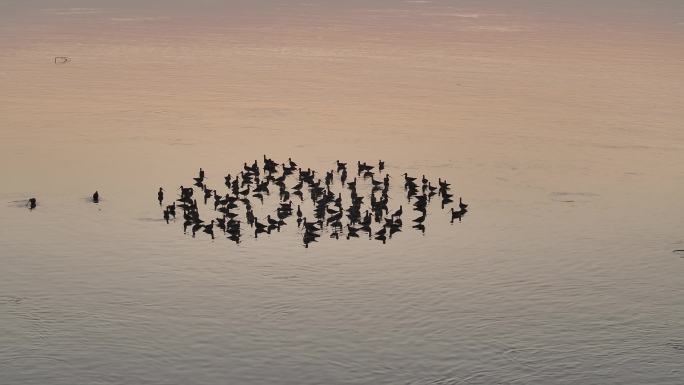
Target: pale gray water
[(568, 150)]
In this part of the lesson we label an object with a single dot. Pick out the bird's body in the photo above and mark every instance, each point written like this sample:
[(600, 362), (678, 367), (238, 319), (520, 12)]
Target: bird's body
[(398, 212), (457, 214), (461, 205)]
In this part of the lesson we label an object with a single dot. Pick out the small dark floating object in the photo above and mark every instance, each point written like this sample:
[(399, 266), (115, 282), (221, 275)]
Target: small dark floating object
[(96, 197), (62, 59), (32, 203)]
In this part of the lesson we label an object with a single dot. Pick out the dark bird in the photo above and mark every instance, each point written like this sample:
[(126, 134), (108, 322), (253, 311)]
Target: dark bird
[(209, 229), (195, 228), (310, 226), (462, 205), (260, 230), (32, 203), (273, 222), (457, 214), (352, 232), (96, 197), (341, 166), (172, 209)]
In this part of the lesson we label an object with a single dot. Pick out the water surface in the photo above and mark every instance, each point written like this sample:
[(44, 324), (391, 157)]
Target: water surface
[(560, 125)]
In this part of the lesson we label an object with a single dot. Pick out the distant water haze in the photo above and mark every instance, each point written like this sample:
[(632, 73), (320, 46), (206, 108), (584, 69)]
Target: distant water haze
[(560, 123), (625, 16)]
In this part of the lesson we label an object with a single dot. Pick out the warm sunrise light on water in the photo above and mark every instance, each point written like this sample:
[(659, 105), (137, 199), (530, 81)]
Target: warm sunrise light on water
[(559, 123)]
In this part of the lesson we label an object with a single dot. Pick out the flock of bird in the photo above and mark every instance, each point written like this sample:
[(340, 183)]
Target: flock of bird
[(350, 217), (255, 183)]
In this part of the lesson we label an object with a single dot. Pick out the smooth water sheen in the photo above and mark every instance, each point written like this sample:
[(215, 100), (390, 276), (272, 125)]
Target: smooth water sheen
[(561, 125)]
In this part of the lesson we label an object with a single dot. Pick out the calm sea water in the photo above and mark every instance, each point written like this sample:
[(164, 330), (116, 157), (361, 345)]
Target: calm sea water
[(563, 132)]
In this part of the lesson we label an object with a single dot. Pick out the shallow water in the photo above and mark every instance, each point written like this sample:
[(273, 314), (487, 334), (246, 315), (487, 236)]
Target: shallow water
[(561, 129)]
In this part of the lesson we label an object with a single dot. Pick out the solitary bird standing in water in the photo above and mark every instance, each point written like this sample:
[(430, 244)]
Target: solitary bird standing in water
[(96, 197), (160, 196)]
